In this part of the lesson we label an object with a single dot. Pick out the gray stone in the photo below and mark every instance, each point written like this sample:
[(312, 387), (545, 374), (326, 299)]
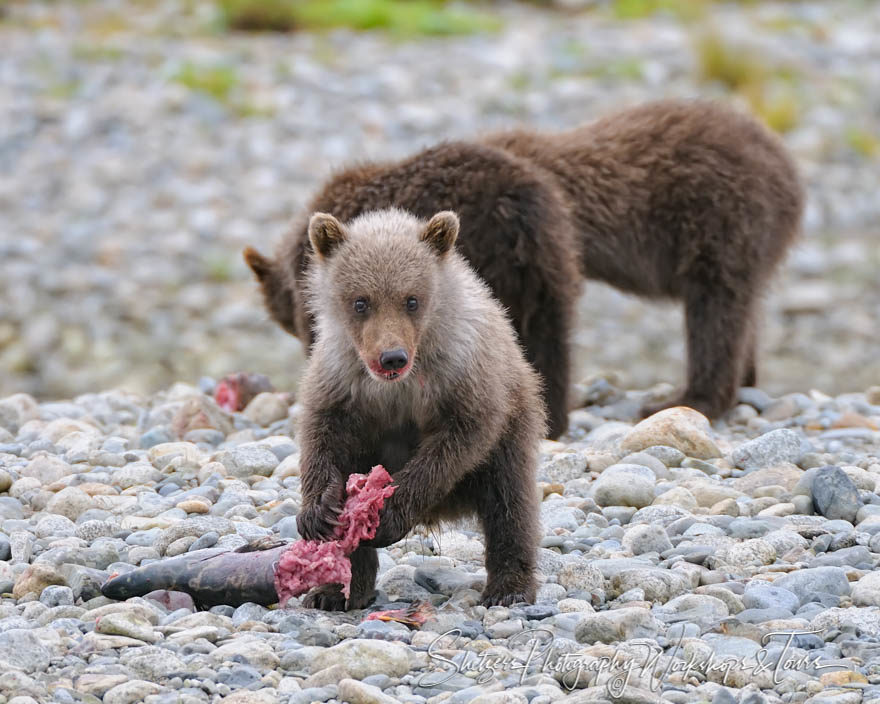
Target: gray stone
[(84, 581), (47, 469), (659, 584), (653, 463), (153, 663), (700, 609), (446, 580), (238, 676), (660, 515), (807, 582), (22, 649), (355, 692), (399, 583), (53, 526), (578, 573), (644, 538), (834, 494), (57, 595), (246, 460), (94, 529), (624, 489), (564, 467), (70, 502), (775, 447), (363, 657), (129, 624), (858, 555), (765, 596), (195, 526), (131, 692), (616, 625), (208, 540), (265, 408), (669, 456), (763, 615), (866, 592)]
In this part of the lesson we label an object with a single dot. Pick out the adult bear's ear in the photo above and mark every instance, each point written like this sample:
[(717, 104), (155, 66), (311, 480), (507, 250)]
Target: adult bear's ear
[(441, 231), (326, 233)]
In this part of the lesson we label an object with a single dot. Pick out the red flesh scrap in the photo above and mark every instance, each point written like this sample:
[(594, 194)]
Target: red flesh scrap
[(226, 396), (414, 616), (311, 563)]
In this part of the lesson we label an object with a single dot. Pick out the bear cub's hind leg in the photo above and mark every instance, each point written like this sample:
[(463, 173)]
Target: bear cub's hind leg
[(720, 348)]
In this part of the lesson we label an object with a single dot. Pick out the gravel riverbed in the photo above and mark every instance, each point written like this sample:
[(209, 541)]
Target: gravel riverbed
[(671, 543), (141, 150)]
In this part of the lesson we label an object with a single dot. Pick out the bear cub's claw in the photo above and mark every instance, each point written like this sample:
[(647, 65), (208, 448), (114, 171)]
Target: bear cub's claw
[(502, 598), (328, 597)]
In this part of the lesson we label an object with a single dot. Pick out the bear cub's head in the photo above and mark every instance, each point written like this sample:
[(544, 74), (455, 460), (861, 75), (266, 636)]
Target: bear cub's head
[(377, 280)]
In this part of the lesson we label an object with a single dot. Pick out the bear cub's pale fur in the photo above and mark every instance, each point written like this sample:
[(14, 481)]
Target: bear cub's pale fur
[(417, 367)]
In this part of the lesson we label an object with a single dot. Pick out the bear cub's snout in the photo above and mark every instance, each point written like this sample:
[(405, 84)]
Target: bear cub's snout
[(393, 360)]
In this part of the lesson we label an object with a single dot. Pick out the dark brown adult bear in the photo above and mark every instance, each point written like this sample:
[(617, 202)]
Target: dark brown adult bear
[(680, 200), (415, 366)]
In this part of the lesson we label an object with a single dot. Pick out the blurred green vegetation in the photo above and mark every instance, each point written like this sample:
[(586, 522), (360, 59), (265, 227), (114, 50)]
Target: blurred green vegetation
[(686, 10), (862, 142), (770, 90), (64, 89), (404, 18), (222, 83), (98, 52), (215, 81), (218, 266)]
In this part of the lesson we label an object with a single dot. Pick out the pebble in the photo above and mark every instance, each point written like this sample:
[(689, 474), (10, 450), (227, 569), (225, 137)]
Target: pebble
[(616, 625), (806, 583), (772, 448), (625, 485), (365, 657), (579, 573), (834, 494), (682, 428), (246, 460), (355, 692), (646, 538), (129, 624), (266, 408), (70, 502), (132, 691), (445, 580)]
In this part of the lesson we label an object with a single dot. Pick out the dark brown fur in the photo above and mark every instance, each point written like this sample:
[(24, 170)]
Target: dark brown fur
[(458, 428), (680, 200)]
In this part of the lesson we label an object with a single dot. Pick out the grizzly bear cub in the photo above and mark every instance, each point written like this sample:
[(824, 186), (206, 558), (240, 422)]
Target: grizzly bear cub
[(682, 200), (415, 366)]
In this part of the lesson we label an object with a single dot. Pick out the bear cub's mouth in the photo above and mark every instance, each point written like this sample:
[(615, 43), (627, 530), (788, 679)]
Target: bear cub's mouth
[(388, 374)]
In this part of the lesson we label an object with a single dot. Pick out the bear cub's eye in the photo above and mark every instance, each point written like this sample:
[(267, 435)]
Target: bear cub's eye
[(412, 304), (360, 305)]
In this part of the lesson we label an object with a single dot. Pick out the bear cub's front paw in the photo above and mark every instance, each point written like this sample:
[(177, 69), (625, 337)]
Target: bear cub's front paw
[(318, 522)]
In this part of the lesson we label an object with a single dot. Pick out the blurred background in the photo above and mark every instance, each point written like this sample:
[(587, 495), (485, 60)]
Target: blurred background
[(144, 143)]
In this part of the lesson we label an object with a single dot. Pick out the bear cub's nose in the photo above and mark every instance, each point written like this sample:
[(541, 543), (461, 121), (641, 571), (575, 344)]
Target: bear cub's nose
[(393, 360)]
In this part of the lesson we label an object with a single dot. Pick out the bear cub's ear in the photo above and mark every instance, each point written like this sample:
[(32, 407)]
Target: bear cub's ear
[(260, 265), (325, 233), (441, 231)]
